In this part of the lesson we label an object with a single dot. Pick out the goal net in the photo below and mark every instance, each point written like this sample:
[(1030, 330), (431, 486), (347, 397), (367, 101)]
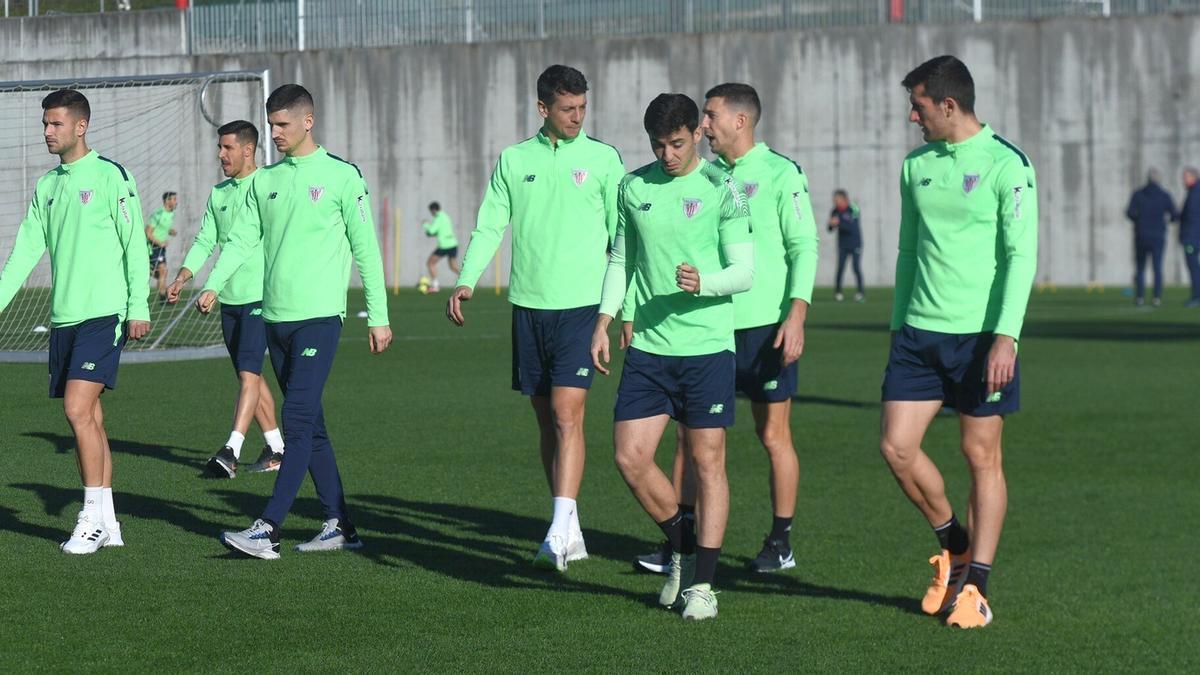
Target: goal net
[(161, 128)]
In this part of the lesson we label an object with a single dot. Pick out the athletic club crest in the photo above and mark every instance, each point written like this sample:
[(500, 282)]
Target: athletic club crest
[(970, 180), (751, 190), (85, 197), (691, 207), (314, 193), (579, 175)]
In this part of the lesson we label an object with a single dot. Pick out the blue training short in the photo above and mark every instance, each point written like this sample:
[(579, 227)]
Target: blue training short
[(761, 375), (552, 348), (926, 365), (90, 351), (696, 391), (245, 335)]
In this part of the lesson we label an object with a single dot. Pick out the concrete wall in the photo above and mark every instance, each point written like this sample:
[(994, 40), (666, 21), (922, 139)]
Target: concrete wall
[(1094, 103)]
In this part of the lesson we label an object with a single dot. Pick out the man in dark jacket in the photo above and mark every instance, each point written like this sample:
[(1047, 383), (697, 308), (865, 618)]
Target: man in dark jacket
[(846, 219), (1150, 208), (1189, 231)]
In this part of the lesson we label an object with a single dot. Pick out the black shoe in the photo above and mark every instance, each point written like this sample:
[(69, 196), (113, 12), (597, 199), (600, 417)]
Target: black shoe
[(658, 562), (775, 555), (223, 464), (269, 460)]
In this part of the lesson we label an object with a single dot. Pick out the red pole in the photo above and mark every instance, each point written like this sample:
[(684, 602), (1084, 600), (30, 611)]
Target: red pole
[(897, 11), (181, 4)]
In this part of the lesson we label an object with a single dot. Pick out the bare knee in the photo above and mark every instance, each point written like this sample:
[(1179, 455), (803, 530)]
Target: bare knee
[(982, 456), (630, 463), (776, 441), (897, 455), (80, 413)]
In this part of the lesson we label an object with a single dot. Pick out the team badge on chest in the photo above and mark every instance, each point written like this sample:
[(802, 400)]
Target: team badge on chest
[(970, 180), (314, 193), (579, 176), (691, 207), (751, 190), (85, 196)]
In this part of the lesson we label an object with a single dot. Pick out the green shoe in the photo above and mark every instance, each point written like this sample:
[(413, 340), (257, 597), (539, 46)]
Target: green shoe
[(699, 602), (679, 575)]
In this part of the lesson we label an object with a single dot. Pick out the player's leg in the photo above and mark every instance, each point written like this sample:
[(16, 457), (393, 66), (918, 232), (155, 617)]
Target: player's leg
[(858, 276), (841, 268), (683, 479), (453, 261), (1156, 255), (547, 436), (338, 531), (107, 508), (772, 424), (234, 329), (1191, 254), (271, 456), (431, 265), (247, 353), (79, 404), (1140, 253), (567, 409)]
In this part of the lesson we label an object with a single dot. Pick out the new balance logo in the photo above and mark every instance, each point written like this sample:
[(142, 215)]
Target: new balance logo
[(771, 386), (256, 312), (88, 365), (311, 351), (224, 207), (644, 207), (926, 181), (995, 398), (273, 195), (530, 178), (582, 372), (717, 409)]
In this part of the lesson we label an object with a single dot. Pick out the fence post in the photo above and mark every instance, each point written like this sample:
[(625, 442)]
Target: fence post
[(978, 11), (300, 25)]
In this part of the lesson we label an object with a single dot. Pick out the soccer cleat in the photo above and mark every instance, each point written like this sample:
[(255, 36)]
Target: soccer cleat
[(859, 297), (971, 609), (223, 464), (838, 297), (679, 575), (1156, 302), (658, 562), (255, 541), (114, 535), (949, 571), (775, 555), (552, 554), (699, 602), (269, 460), (434, 287), (87, 537), (576, 550), (331, 538)]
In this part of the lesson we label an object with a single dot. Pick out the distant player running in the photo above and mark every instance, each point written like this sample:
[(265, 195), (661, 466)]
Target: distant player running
[(241, 303), (447, 245), (86, 212), (311, 214), (683, 245), (559, 191), (968, 254), (159, 229)]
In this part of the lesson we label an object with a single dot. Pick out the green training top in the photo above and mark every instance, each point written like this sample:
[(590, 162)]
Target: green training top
[(785, 236), (226, 204), (311, 214), (161, 220), (561, 202), (663, 221), (88, 215), (443, 229), (968, 237)]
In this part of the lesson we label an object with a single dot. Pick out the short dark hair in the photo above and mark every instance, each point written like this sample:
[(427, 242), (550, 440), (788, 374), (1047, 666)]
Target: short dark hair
[(71, 100), (247, 133), (287, 97), (434, 206), (841, 192), (668, 112), (944, 77), (168, 195), (559, 79), (738, 95)]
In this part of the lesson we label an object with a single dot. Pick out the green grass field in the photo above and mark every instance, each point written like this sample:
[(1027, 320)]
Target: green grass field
[(1096, 570)]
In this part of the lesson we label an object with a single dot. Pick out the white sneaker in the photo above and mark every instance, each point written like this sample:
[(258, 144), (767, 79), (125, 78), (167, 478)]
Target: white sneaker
[(254, 541), (88, 537), (679, 577), (552, 554), (331, 538), (575, 547), (114, 535)]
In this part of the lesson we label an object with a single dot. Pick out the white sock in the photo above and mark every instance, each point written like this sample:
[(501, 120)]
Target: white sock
[(93, 497), (274, 439), (107, 510), (575, 520), (235, 441), (564, 509)]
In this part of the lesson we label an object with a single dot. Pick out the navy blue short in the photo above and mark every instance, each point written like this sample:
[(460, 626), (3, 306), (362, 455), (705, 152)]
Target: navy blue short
[(926, 365), (158, 256), (552, 348), (245, 336), (451, 252), (86, 351), (696, 391), (761, 375)]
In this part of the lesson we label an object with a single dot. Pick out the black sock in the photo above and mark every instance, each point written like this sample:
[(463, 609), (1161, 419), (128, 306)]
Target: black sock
[(952, 536), (688, 510), (706, 564), (689, 533), (273, 535), (673, 528), (977, 574), (348, 529), (781, 529)]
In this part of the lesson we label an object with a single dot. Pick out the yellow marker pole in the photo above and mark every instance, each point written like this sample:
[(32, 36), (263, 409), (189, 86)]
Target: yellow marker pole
[(396, 252)]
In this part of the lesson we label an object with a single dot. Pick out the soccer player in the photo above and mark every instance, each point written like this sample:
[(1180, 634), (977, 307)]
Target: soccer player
[(847, 220), (311, 214), (86, 212), (241, 302), (447, 244), (158, 231), (683, 243), (968, 254), (1189, 231), (559, 191)]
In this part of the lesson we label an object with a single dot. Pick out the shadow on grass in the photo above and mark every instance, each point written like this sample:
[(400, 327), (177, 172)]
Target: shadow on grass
[(834, 402), (176, 455)]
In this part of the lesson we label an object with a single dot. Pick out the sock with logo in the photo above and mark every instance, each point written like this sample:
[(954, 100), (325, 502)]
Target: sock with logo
[(564, 507), (673, 529), (781, 529), (274, 440), (952, 536), (236, 438), (706, 564), (977, 574), (93, 500)]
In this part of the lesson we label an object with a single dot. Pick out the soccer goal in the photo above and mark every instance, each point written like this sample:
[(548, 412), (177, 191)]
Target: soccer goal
[(162, 129)]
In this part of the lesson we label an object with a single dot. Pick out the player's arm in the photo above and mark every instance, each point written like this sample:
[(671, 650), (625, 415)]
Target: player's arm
[(801, 241), (612, 189), (126, 211), (245, 234), (616, 292), (202, 247), (1135, 206), (1018, 235), (906, 259), (737, 248), (364, 245), (494, 215), (27, 251)]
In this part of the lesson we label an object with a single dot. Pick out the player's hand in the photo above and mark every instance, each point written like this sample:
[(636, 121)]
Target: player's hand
[(171, 232), (599, 349), (137, 329), (173, 291), (454, 304), (380, 338), (687, 278), (205, 302), (626, 334), (1001, 363), (790, 338)]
